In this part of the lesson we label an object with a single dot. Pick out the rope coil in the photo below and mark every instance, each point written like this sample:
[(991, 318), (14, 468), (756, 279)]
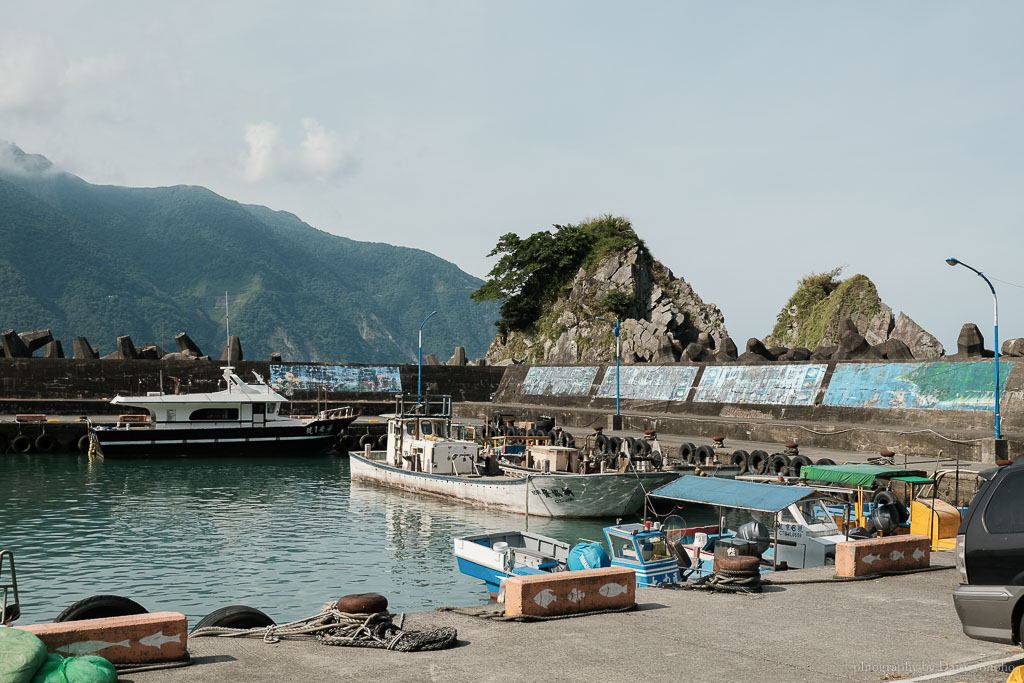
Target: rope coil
[(334, 627)]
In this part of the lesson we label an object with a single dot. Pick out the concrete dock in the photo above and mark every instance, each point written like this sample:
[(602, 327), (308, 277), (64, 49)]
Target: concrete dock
[(803, 627)]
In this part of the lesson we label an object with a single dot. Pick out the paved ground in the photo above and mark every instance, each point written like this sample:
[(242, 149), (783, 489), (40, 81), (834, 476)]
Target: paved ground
[(891, 628)]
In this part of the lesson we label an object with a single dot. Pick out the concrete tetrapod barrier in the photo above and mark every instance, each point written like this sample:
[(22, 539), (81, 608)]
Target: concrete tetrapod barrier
[(876, 555), (134, 639), (574, 592)]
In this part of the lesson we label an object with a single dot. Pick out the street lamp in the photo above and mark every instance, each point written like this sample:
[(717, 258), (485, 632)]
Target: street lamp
[(419, 362), (617, 354), (995, 301)]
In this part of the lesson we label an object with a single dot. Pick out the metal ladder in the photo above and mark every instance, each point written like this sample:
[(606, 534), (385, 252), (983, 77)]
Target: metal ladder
[(8, 612)]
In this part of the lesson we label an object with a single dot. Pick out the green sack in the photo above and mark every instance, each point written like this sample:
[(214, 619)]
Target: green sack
[(21, 654), (86, 669)]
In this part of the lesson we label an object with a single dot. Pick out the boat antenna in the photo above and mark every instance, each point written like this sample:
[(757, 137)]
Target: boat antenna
[(227, 320)]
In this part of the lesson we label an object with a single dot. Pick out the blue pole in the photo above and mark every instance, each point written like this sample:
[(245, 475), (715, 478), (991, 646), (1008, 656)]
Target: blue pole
[(419, 356), (617, 354), (995, 325)]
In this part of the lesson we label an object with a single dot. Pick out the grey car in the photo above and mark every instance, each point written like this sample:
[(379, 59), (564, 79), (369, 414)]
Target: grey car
[(990, 558)]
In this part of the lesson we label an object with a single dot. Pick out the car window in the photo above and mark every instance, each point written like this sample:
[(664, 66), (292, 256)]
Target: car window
[(1004, 513)]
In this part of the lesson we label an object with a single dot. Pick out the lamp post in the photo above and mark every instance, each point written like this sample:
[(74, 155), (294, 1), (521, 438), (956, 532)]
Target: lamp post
[(617, 354), (419, 362), (995, 302)]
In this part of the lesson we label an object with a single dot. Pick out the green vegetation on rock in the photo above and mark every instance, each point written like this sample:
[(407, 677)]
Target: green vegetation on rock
[(532, 272), (820, 302)]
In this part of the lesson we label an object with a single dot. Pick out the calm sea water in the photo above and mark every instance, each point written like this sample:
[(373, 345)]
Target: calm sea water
[(193, 535)]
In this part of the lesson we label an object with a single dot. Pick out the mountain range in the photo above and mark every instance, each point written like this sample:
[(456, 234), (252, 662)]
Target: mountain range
[(102, 261)]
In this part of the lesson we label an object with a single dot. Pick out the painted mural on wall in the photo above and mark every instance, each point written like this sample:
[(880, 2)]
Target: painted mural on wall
[(652, 383), (787, 385), (559, 381), (288, 379), (936, 386)]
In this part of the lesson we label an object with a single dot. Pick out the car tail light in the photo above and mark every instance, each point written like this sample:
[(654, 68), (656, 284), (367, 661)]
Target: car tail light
[(961, 559)]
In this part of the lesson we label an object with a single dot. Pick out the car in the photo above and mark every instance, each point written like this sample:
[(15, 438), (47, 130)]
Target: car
[(990, 558)]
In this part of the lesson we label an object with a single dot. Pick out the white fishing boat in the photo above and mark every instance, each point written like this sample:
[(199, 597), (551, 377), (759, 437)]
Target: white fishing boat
[(423, 456), (243, 419)]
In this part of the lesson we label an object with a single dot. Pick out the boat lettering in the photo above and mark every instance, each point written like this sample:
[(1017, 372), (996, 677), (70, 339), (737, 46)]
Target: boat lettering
[(791, 529)]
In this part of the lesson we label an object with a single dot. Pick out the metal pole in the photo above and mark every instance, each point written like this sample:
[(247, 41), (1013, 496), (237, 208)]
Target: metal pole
[(527, 502), (617, 354), (995, 331), (419, 357)]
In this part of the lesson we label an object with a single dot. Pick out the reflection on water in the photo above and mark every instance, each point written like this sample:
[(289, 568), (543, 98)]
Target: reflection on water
[(283, 535)]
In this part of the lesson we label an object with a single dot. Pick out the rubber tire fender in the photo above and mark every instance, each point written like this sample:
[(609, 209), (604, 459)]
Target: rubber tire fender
[(235, 616), (739, 459), (657, 460), (21, 444), (570, 440), (83, 443), (887, 497), (797, 463), (45, 443), (366, 439), (686, 452), (825, 461), (645, 446), (703, 453), (779, 465), (757, 462), (601, 443), (99, 606), (382, 442), (615, 444)]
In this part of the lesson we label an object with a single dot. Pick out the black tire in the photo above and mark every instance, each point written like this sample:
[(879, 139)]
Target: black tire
[(740, 459), (552, 436), (366, 440), (859, 532), (636, 449), (614, 444), (757, 462), (686, 452), (570, 440), (100, 606), (601, 443), (657, 461), (83, 444), (825, 461), (703, 454), (630, 442), (797, 463), (778, 465), (382, 442), (21, 444), (645, 447), (235, 616), (45, 443), (885, 497)]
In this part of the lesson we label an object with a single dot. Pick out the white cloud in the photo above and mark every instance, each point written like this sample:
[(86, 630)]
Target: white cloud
[(323, 152), (321, 155), (27, 76), (262, 139), (90, 69)]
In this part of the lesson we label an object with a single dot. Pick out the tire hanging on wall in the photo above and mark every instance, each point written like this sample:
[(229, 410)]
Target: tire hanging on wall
[(739, 459), (45, 443), (83, 443), (21, 444), (686, 452), (704, 453), (797, 463), (778, 465), (758, 462)]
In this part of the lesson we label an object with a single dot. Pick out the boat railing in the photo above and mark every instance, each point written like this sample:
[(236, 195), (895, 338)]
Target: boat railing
[(8, 586), (423, 405)]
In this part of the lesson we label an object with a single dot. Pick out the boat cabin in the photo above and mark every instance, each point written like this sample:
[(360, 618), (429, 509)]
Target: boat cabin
[(642, 548), (420, 440)]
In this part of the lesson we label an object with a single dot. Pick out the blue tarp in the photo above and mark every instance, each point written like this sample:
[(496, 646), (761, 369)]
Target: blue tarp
[(731, 493)]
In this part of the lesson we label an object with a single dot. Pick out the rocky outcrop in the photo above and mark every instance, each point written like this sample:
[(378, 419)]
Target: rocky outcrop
[(661, 316), (1013, 347), (823, 309)]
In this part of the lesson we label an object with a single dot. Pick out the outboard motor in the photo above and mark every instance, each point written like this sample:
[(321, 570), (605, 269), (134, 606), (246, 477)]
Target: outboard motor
[(886, 517), (758, 533)]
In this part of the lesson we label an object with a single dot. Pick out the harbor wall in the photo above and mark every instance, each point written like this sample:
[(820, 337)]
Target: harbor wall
[(918, 406), (71, 386)]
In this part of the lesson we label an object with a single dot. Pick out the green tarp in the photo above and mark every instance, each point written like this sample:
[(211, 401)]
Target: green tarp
[(855, 475)]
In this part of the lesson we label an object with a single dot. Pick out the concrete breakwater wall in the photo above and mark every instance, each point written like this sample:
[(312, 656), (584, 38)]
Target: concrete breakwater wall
[(916, 406), (70, 388)]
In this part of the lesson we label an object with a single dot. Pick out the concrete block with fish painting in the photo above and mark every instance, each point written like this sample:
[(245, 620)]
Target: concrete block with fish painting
[(134, 639), (574, 592)]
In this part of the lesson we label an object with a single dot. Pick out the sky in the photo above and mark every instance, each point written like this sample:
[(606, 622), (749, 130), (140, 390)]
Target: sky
[(750, 143)]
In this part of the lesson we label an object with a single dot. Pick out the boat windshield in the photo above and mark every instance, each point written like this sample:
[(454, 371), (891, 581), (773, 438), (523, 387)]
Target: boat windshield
[(815, 512)]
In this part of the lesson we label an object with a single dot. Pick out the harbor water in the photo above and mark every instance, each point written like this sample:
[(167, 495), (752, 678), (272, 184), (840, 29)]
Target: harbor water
[(284, 535)]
